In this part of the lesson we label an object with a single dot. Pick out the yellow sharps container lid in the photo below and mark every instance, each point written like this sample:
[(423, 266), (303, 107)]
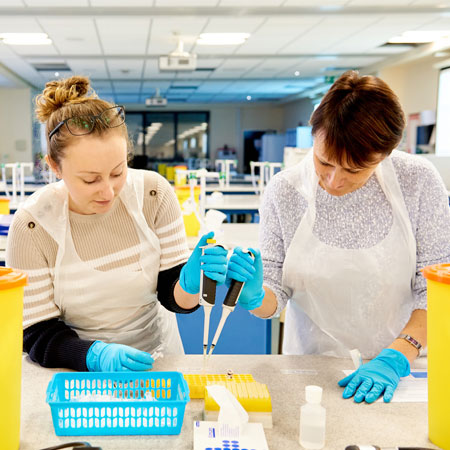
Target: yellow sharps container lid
[(437, 272), (12, 278)]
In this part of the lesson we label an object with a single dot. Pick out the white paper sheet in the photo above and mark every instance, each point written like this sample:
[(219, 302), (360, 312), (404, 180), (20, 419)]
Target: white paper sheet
[(210, 435), (413, 388)]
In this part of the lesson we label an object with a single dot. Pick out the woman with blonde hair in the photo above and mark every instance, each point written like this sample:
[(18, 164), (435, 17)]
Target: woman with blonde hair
[(105, 248)]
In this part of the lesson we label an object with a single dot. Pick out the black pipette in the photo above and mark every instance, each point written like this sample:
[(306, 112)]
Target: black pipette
[(207, 298), (233, 293)]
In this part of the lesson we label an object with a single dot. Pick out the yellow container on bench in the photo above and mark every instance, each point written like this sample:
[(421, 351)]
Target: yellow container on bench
[(191, 223), (12, 283), (4, 206), (438, 337)]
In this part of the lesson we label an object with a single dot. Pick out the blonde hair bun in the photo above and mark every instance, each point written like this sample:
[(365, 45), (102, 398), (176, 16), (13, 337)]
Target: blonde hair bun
[(62, 92)]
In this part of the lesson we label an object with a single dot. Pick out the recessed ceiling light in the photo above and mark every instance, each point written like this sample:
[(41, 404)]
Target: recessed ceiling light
[(222, 38), (25, 38), (419, 37)]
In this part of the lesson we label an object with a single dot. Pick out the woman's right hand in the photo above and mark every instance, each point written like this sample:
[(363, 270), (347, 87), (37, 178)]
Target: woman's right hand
[(249, 270)]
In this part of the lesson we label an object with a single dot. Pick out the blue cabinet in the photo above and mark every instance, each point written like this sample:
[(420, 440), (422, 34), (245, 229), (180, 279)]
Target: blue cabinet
[(243, 333)]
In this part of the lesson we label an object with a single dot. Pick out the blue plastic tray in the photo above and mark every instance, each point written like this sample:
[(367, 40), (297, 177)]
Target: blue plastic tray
[(133, 416)]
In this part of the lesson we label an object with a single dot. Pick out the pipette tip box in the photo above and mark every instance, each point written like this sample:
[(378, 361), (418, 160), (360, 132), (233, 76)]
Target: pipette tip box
[(253, 396), (198, 382)]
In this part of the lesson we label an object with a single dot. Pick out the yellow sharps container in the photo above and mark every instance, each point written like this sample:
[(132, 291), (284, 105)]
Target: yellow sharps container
[(12, 283), (438, 337), (4, 206), (191, 223)]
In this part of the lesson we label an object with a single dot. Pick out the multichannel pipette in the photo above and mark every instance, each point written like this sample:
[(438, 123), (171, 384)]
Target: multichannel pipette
[(228, 306), (207, 298)]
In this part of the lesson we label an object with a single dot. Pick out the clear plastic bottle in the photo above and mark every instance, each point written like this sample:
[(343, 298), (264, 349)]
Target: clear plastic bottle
[(312, 419)]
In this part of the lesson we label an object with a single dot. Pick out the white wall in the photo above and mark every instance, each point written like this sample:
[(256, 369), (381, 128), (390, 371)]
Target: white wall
[(15, 125), (415, 83), (296, 112)]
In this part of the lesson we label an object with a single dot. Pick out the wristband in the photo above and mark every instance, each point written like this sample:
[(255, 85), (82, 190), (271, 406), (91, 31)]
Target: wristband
[(411, 340)]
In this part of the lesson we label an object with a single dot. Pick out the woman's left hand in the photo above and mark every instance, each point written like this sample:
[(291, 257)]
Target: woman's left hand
[(381, 375)]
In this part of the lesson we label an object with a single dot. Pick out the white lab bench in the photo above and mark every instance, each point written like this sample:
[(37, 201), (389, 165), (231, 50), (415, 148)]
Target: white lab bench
[(385, 425)]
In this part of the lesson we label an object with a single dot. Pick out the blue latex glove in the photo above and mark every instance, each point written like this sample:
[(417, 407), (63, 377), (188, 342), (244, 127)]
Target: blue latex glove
[(102, 357), (242, 267), (213, 263), (381, 375)]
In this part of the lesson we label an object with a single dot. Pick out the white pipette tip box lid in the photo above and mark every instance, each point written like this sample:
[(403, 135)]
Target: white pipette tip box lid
[(254, 397)]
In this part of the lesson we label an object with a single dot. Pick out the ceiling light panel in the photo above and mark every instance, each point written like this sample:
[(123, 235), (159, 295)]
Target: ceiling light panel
[(119, 36), (72, 36)]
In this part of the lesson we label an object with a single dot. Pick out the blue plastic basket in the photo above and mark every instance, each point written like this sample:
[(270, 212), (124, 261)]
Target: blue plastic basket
[(134, 415)]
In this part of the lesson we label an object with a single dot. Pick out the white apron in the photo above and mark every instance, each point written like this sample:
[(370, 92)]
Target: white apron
[(347, 298), (118, 305)]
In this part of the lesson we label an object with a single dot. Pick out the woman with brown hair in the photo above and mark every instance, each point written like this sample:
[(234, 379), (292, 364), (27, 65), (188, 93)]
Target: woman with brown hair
[(105, 248), (344, 235)]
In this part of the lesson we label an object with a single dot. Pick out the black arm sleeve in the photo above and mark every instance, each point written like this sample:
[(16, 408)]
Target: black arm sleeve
[(52, 343), (167, 279)]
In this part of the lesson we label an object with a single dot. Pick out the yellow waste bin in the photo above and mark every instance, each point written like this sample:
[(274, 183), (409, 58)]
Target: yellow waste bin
[(191, 223), (12, 283), (162, 169), (4, 205), (170, 173), (438, 337), (180, 177)]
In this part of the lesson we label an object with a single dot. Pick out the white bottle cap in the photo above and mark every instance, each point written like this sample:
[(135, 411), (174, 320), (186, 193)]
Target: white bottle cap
[(313, 394)]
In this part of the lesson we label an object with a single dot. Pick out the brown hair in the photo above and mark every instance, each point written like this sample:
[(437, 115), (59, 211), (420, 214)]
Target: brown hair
[(70, 97), (360, 119)]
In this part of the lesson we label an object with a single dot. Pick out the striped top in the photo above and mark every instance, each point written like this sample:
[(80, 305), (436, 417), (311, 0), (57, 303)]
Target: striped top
[(106, 241)]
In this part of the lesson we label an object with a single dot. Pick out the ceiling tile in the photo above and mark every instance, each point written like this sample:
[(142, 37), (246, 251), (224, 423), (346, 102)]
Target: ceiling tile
[(94, 68), (119, 35), (128, 87), (125, 68), (72, 36), (19, 24), (59, 3), (181, 3)]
